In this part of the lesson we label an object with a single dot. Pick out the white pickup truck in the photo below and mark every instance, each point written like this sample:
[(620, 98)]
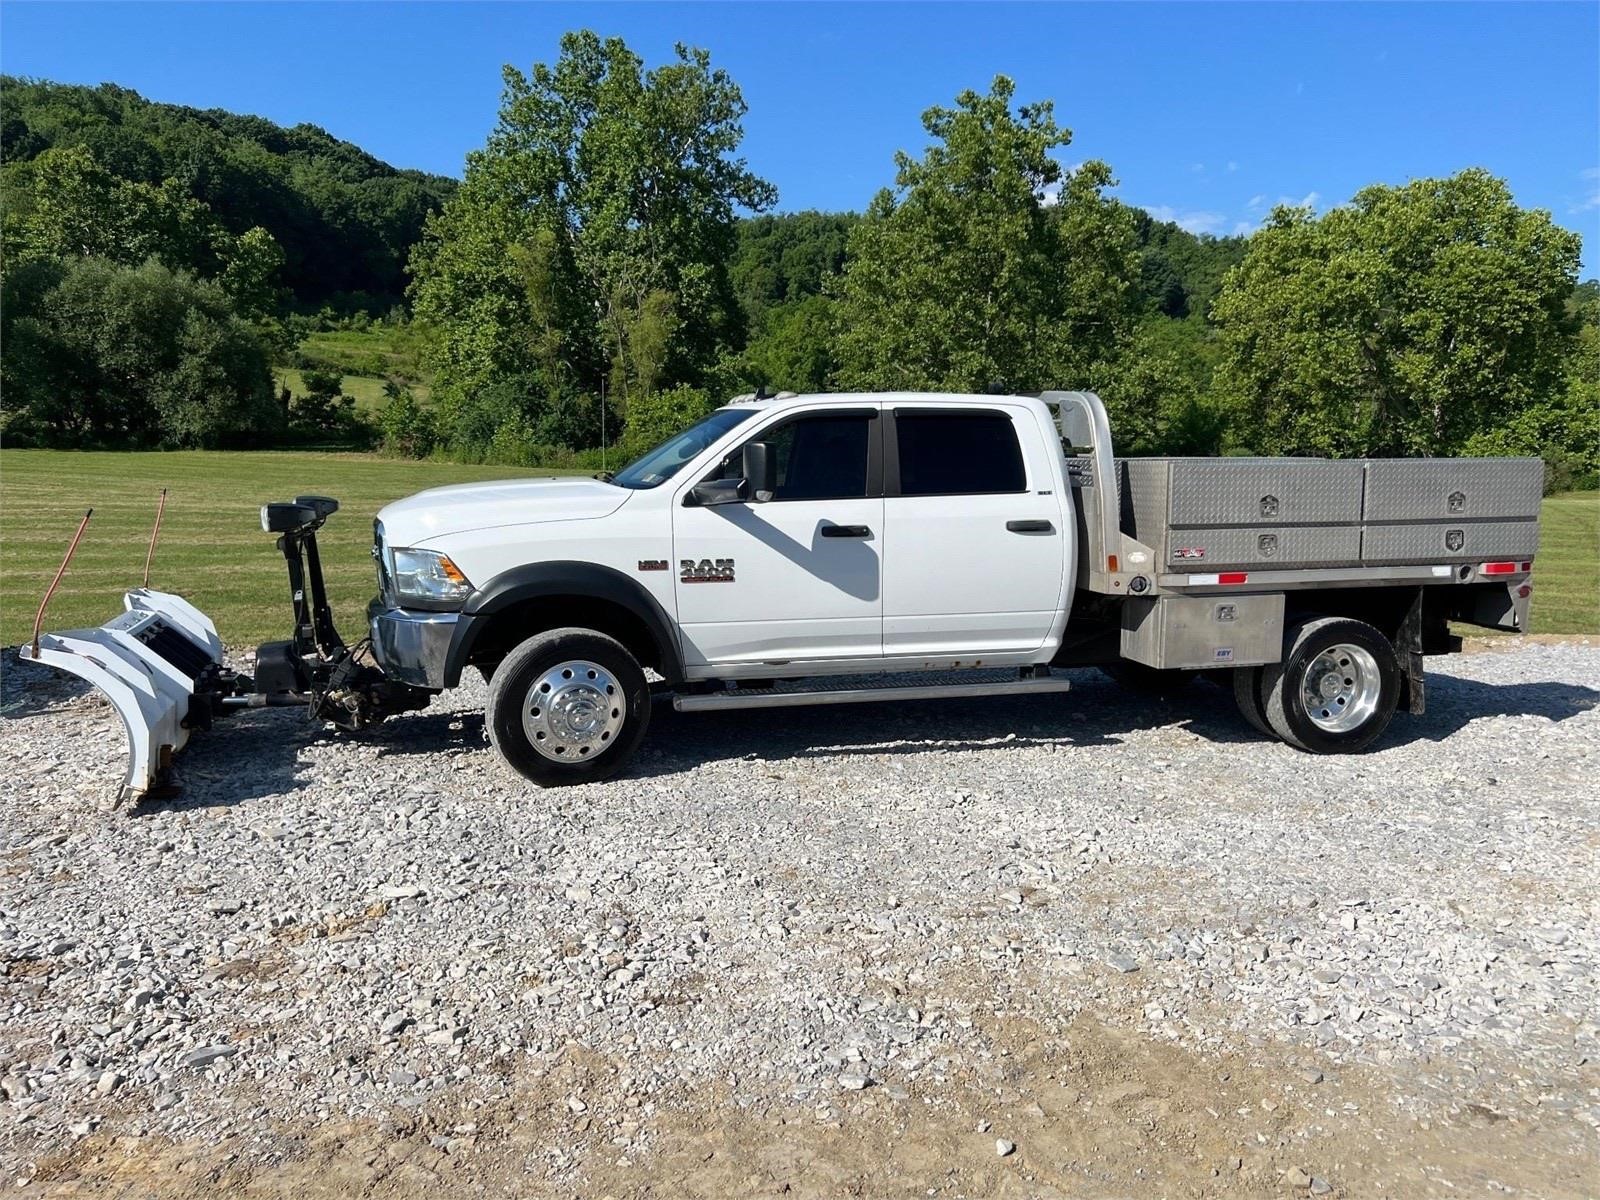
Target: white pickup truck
[(784, 549)]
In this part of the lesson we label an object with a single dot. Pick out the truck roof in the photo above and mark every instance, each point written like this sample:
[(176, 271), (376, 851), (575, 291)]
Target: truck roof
[(787, 398)]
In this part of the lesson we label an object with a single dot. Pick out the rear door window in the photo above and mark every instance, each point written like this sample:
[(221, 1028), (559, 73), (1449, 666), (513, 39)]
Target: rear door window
[(958, 454)]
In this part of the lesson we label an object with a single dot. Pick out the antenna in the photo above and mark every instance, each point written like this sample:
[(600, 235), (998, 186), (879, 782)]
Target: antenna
[(161, 507), (602, 422), (38, 618)]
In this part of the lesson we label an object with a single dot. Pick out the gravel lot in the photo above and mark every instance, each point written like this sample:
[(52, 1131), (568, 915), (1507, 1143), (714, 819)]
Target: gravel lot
[(1075, 945)]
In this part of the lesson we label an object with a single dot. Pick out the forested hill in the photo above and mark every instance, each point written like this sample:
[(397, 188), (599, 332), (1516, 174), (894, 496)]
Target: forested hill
[(344, 220)]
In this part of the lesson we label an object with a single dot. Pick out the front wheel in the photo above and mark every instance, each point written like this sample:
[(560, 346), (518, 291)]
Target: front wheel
[(1336, 688), (568, 706)]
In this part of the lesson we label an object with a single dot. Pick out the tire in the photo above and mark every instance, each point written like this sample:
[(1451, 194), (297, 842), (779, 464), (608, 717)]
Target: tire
[(573, 736), (1336, 688), (1147, 681), (1247, 694)]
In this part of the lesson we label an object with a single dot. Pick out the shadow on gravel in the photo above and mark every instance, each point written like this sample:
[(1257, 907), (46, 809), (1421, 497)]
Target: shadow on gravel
[(1454, 703), (260, 753), (1096, 712), (28, 689)]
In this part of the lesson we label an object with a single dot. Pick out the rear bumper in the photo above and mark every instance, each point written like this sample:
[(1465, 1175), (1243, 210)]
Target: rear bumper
[(411, 647)]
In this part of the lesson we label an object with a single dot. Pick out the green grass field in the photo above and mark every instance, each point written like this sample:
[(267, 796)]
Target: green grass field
[(213, 551), (1566, 577), (380, 350), (364, 359), (365, 390)]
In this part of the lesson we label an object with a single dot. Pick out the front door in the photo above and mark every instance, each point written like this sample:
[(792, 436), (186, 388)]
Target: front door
[(797, 577)]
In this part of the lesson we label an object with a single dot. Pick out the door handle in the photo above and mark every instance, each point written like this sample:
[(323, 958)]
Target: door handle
[(852, 531), (1030, 527)]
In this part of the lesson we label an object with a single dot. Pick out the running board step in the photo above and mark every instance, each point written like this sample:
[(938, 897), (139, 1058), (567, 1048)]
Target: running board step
[(939, 691)]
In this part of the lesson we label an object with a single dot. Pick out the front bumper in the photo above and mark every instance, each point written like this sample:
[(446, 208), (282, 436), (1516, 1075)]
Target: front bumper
[(412, 647)]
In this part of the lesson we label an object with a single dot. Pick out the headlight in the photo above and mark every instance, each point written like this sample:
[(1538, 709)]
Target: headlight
[(427, 575)]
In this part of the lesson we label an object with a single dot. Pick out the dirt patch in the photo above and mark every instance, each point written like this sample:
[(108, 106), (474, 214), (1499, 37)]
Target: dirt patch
[(1479, 643), (1091, 1109)]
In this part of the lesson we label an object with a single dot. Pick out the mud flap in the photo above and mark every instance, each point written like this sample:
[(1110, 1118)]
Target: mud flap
[(149, 661)]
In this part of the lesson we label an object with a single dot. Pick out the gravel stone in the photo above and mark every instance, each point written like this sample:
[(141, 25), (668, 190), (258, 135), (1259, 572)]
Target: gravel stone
[(785, 903), (204, 1056)]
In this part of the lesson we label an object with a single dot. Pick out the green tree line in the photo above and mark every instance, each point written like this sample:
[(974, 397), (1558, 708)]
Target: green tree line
[(609, 268)]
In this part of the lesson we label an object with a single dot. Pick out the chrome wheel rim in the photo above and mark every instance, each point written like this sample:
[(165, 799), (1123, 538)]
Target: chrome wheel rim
[(573, 711), (1340, 688)]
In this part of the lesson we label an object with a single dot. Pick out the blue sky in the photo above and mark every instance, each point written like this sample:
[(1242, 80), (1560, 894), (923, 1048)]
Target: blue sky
[(1208, 113)]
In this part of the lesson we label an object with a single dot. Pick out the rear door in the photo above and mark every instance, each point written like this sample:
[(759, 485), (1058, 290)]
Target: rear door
[(974, 549), (797, 577)]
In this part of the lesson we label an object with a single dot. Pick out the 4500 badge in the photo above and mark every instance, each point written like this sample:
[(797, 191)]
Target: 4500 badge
[(707, 570)]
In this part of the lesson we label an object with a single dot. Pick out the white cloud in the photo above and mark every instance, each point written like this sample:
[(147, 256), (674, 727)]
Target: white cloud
[(1051, 196), (1591, 190), (1245, 228), (1192, 220), (1258, 204)]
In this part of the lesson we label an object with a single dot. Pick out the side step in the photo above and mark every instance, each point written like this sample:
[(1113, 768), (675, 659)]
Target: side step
[(937, 691)]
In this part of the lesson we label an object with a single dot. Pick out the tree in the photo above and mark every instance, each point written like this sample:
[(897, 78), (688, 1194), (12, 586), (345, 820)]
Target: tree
[(656, 416), (72, 207), (962, 275), (324, 411), (99, 354), (1400, 324), (786, 257), (1564, 429), (792, 348), (344, 220), (590, 240)]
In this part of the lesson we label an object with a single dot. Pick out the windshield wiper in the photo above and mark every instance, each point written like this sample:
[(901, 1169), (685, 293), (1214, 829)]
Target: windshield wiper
[(605, 476)]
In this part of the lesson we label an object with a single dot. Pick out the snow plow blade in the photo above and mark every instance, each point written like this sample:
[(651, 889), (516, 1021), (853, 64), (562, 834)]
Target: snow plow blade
[(159, 663)]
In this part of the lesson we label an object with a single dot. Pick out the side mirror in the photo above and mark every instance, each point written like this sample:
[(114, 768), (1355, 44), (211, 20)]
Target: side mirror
[(712, 492), (760, 470)]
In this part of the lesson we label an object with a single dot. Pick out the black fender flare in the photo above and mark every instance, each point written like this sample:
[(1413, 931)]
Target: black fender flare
[(534, 580)]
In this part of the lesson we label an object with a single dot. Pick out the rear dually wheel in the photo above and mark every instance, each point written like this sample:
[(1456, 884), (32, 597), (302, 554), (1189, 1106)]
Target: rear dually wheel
[(1336, 688)]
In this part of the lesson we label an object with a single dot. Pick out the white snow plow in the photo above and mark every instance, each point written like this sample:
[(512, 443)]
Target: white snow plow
[(163, 667), (158, 662)]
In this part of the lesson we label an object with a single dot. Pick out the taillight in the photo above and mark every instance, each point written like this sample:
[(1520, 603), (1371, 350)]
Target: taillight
[(1500, 568), (1233, 577)]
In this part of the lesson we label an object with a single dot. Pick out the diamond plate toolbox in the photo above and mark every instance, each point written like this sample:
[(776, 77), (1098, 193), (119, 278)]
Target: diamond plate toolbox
[(1203, 514), (1451, 509)]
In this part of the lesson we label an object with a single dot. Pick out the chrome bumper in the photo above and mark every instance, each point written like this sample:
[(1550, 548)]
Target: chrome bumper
[(411, 647)]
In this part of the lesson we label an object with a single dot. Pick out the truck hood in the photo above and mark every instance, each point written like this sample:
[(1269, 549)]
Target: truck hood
[(467, 506)]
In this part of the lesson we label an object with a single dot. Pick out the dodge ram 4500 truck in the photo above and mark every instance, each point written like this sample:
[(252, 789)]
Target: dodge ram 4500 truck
[(931, 546)]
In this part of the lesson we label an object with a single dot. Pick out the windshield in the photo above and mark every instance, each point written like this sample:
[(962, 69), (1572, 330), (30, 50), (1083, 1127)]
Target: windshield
[(655, 467)]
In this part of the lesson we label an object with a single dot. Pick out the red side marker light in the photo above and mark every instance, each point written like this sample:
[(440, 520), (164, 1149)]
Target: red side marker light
[(1233, 577), (1501, 568)]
